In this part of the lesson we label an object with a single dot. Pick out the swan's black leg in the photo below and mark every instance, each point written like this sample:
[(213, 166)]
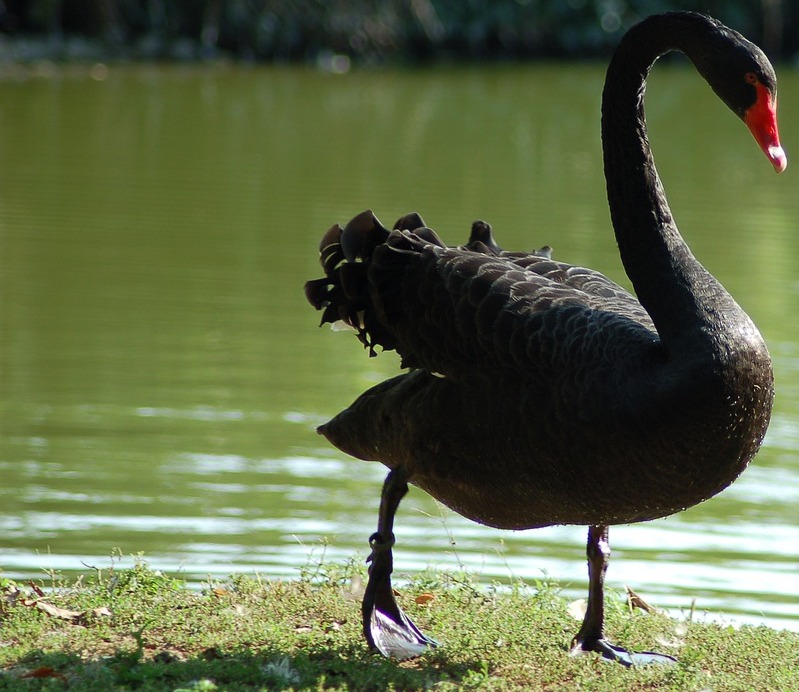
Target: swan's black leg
[(591, 636), (592, 631), (385, 626)]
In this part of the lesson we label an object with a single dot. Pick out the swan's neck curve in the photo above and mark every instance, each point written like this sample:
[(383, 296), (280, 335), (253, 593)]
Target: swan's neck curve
[(688, 305)]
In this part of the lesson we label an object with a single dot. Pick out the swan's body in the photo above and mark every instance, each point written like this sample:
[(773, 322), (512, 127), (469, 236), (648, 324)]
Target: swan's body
[(542, 393), (541, 364)]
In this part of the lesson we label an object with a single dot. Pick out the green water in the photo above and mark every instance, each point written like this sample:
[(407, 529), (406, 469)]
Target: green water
[(161, 373)]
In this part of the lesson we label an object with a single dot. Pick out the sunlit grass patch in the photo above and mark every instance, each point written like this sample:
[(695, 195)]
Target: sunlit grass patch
[(140, 629)]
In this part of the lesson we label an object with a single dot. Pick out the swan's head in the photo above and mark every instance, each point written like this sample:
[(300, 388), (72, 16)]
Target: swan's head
[(742, 77)]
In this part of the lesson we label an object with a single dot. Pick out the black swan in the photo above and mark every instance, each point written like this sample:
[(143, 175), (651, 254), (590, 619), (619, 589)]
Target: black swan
[(541, 393)]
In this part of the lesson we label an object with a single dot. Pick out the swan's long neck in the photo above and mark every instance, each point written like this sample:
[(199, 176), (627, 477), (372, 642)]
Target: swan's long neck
[(688, 306)]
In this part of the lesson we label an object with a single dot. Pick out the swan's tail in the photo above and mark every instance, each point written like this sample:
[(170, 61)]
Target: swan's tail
[(344, 294)]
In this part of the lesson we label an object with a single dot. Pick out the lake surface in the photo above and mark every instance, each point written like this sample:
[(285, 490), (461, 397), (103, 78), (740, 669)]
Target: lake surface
[(161, 374)]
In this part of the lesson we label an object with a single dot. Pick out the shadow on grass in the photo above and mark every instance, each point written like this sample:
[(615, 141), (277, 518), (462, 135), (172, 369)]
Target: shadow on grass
[(351, 668)]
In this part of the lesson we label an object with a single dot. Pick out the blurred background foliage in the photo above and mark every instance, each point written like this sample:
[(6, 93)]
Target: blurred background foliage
[(365, 31)]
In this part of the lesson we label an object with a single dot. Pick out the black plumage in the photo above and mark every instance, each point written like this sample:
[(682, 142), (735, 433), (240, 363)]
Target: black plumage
[(542, 393)]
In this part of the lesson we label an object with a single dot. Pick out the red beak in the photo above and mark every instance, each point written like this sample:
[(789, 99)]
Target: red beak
[(761, 119)]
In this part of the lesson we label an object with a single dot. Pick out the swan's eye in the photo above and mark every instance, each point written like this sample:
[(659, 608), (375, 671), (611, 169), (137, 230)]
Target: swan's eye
[(751, 77)]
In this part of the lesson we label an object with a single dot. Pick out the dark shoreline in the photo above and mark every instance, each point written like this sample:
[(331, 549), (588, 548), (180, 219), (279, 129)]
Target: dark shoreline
[(362, 31)]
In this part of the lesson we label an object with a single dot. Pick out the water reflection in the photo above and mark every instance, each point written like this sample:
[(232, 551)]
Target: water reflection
[(162, 375)]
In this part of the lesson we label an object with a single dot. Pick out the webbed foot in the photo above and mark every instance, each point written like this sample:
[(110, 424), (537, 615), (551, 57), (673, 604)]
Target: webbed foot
[(611, 652), (397, 638)]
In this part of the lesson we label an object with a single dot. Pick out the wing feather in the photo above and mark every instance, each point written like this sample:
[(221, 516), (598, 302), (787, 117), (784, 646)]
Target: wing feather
[(455, 310)]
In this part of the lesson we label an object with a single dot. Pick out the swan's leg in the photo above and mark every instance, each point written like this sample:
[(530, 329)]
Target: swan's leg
[(592, 630), (385, 626), (591, 636)]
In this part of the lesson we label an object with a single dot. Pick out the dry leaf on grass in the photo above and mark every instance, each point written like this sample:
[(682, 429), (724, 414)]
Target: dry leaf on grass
[(577, 608), (11, 594), (43, 672), (635, 601), (56, 612), (80, 617)]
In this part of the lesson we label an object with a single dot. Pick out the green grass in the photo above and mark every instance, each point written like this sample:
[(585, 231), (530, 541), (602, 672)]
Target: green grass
[(138, 629)]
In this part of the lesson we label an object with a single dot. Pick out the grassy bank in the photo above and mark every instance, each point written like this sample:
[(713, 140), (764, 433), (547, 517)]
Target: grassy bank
[(139, 629)]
